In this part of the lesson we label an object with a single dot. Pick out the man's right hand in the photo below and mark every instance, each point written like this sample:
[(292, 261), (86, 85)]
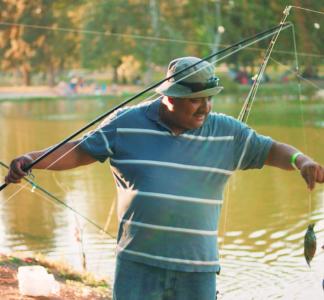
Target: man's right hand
[(68, 156), (16, 171)]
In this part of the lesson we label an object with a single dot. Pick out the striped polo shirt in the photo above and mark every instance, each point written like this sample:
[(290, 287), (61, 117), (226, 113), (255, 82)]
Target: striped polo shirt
[(170, 187)]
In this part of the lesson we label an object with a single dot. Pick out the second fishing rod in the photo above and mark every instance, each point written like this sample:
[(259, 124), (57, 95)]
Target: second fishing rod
[(224, 52)]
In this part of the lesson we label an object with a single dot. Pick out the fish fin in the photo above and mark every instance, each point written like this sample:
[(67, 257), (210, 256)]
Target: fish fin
[(308, 262)]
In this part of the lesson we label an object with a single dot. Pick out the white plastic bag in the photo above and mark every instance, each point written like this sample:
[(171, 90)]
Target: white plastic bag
[(35, 281)]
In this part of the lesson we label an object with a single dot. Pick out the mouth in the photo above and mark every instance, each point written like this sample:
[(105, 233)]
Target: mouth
[(200, 117)]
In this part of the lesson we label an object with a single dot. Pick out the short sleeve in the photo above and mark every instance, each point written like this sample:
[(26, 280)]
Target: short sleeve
[(100, 143), (250, 148)]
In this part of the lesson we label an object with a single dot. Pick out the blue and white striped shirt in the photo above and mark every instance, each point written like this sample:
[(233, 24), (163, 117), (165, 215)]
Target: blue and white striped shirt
[(170, 187)]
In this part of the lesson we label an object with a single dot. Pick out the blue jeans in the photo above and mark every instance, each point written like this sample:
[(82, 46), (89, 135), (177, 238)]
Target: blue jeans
[(136, 281)]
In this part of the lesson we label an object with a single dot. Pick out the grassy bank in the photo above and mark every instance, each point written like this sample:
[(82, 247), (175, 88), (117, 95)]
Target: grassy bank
[(73, 285)]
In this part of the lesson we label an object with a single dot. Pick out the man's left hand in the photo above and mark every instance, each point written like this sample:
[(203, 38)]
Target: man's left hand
[(312, 172)]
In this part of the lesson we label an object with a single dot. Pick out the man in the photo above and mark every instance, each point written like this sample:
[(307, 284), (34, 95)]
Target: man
[(171, 159)]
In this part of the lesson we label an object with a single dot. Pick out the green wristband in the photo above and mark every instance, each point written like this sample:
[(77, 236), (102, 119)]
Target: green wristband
[(293, 159)]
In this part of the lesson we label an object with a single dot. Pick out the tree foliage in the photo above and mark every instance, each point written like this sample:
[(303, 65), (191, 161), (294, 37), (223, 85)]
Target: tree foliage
[(29, 40), (49, 37)]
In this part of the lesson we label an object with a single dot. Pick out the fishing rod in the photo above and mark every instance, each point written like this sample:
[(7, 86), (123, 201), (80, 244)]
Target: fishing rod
[(36, 186), (244, 114), (237, 46)]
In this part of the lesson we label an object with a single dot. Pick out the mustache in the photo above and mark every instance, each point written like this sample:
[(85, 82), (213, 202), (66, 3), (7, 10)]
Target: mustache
[(199, 113)]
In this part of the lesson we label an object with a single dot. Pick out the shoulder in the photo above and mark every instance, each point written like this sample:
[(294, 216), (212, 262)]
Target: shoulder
[(225, 122), (125, 114)]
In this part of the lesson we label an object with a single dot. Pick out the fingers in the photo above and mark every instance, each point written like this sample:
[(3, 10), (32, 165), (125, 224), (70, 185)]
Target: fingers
[(16, 170), (310, 178), (10, 180), (320, 175), (312, 173)]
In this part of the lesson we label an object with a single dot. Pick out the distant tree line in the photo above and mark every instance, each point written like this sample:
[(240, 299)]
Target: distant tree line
[(49, 37)]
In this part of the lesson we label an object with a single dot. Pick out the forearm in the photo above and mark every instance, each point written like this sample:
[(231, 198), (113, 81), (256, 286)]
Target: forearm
[(280, 156), (66, 157)]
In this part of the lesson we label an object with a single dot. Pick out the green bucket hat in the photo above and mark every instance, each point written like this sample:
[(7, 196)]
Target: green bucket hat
[(196, 82)]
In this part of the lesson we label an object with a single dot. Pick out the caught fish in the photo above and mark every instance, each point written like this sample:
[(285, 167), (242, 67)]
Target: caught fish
[(309, 244)]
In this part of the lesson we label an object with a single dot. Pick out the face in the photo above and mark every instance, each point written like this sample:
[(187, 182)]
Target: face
[(187, 113)]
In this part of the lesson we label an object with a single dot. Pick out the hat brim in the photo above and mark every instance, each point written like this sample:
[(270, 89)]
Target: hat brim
[(180, 91)]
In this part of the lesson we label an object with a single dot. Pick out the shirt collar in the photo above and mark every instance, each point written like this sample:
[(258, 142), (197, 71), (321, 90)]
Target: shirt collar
[(153, 113), (152, 110)]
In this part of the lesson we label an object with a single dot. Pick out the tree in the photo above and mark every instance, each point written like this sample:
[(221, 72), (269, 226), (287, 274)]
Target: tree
[(30, 42), (125, 33), (101, 35)]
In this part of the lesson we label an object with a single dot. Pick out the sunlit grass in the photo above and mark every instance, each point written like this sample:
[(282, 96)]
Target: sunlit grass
[(61, 269)]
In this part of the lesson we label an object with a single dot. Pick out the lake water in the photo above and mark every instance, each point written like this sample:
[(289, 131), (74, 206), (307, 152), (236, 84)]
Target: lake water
[(264, 218)]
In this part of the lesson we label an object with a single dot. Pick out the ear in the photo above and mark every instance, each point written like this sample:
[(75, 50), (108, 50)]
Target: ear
[(168, 102)]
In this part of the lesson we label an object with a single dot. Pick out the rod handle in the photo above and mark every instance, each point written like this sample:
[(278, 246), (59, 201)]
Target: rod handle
[(3, 186)]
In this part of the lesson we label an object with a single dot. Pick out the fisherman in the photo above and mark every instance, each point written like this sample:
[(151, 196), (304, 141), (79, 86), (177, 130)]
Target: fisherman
[(171, 159)]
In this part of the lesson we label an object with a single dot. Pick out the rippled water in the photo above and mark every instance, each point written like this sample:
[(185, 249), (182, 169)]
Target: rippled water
[(264, 218)]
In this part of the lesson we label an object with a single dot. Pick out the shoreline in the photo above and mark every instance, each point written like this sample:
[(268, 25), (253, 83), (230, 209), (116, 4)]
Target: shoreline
[(30, 93), (47, 92), (73, 285)]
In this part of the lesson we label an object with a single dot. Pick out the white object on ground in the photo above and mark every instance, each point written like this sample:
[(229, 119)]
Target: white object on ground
[(35, 281)]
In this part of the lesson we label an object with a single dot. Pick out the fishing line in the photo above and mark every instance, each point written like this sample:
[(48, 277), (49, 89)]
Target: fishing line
[(24, 186), (302, 114), (247, 105), (299, 78), (59, 183), (182, 78), (240, 48), (246, 108), (299, 53), (237, 47), (106, 228), (296, 74), (95, 32), (158, 39), (78, 230), (57, 200), (303, 120), (258, 75), (89, 135), (244, 114), (110, 214), (309, 10), (15, 193)]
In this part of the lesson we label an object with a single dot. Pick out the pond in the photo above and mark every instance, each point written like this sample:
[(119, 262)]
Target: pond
[(264, 218)]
